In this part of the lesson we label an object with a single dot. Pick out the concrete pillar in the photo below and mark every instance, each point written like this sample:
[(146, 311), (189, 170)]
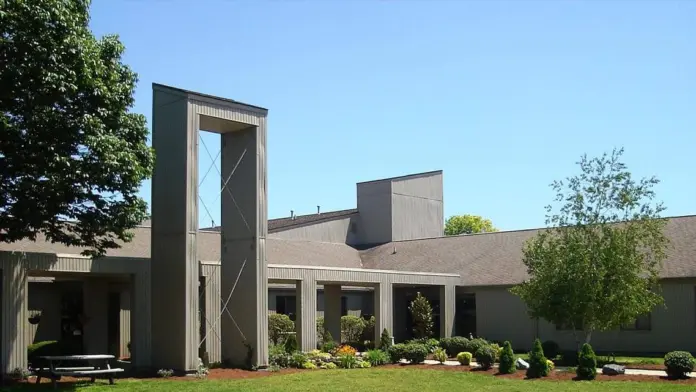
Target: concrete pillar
[(95, 294), (448, 309), (124, 323), (174, 259), (332, 310), (306, 314), (384, 309), (244, 215), (142, 333)]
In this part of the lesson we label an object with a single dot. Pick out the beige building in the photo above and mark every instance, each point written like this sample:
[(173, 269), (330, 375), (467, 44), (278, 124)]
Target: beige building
[(178, 292)]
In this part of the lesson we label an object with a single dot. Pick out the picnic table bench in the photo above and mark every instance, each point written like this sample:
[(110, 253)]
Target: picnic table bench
[(54, 371)]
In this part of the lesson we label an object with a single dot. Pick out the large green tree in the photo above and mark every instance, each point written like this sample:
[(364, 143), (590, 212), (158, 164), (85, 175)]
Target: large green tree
[(596, 267), (72, 155), (468, 224)]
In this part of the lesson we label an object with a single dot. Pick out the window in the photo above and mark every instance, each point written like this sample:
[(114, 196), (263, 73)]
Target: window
[(286, 304), (642, 323), (344, 306)]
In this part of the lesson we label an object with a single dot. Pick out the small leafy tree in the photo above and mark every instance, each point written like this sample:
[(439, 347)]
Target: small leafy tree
[(352, 328), (587, 363), (422, 314), (596, 267), (290, 344), (538, 364), (279, 325), (72, 153), (385, 340), (468, 224), (507, 359)]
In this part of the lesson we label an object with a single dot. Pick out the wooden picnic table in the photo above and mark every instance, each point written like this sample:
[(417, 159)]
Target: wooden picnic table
[(55, 371)]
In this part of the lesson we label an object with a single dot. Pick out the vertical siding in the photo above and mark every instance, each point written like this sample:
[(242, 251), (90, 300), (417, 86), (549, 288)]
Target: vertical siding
[(417, 207), (212, 311), (306, 321), (125, 323), (374, 206), (502, 316), (14, 312), (447, 310), (384, 308), (44, 299)]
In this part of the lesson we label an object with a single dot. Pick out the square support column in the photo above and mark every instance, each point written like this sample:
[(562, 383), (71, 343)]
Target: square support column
[(332, 310), (306, 314), (384, 310), (140, 320), (124, 320), (448, 308), (95, 293), (243, 267), (14, 314)]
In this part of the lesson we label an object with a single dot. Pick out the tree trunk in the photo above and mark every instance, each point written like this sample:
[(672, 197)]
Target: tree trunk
[(588, 336)]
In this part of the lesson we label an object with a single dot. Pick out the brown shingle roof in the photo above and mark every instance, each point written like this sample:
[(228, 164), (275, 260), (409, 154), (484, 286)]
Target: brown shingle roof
[(278, 251), (495, 258), (286, 223), (481, 259)]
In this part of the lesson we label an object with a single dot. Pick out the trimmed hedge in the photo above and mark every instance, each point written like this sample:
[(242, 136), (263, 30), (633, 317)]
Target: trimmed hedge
[(679, 363), (485, 357), (412, 352), (507, 359), (279, 326), (454, 345), (538, 367)]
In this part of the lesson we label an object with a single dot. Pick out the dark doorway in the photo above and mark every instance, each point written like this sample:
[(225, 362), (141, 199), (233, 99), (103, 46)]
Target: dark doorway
[(114, 324), (465, 322), (71, 321), (286, 304)]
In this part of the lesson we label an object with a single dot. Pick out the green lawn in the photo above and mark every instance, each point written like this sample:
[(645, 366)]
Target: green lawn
[(402, 380)]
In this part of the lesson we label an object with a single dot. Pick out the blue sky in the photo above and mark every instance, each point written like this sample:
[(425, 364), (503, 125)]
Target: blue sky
[(502, 96)]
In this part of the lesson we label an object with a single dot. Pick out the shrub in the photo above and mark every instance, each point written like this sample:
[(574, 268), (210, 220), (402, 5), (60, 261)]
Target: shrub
[(464, 358), (496, 349), (329, 347), (45, 348), (364, 364), (485, 356), (679, 363), (507, 359), (346, 350), (369, 330), (352, 328), (297, 359), (328, 365), (309, 365), (385, 340), (347, 361), (279, 325), (415, 353), (165, 373), (377, 357), (454, 345), (19, 374), (475, 344), (290, 344), (551, 349), (277, 356), (358, 346), (321, 330), (440, 355), (538, 367), (587, 363), (551, 364), (422, 315), (318, 356), (397, 352)]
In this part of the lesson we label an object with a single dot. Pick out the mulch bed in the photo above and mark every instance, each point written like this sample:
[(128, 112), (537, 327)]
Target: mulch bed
[(554, 376)]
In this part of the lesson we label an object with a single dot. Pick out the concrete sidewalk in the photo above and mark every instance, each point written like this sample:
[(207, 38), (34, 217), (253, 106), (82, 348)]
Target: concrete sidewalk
[(642, 372)]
